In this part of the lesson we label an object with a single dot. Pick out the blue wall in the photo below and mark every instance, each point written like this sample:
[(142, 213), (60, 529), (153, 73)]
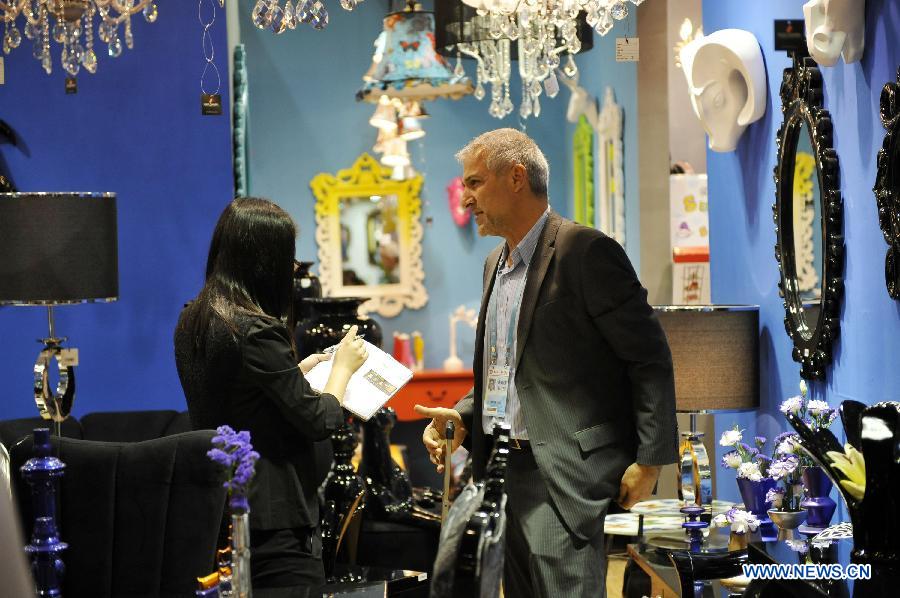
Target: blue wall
[(598, 70), (133, 128), (304, 120), (742, 192)]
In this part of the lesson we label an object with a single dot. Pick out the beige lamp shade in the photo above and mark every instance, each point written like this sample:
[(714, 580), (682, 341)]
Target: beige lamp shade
[(715, 350)]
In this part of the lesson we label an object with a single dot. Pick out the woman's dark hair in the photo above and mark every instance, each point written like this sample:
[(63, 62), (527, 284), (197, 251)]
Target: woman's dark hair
[(249, 268)]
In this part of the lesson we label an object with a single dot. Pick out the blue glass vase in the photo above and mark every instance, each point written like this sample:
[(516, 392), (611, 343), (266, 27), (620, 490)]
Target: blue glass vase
[(753, 493), (819, 506)]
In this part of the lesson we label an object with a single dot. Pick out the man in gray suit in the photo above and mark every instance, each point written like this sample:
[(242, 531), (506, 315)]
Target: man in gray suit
[(580, 368)]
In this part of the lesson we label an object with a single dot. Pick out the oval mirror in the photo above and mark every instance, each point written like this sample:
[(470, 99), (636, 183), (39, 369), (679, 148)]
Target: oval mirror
[(808, 220)]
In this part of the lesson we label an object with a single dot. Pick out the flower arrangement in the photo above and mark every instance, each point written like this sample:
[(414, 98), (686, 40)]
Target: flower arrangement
[(234, 451), (817, 415), (749, 461), (741, 521), (786, 469)]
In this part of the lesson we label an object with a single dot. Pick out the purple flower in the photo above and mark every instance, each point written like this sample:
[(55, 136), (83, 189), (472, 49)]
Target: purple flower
[(233, 451), (760, 441)]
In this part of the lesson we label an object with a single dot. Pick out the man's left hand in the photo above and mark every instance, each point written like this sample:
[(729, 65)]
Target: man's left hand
[(637, 484)]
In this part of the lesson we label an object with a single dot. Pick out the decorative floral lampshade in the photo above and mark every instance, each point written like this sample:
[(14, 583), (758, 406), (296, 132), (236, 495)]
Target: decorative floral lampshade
[(408, 66)]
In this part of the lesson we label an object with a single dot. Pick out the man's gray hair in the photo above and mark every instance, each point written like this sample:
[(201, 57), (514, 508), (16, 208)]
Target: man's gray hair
[(504, 148)]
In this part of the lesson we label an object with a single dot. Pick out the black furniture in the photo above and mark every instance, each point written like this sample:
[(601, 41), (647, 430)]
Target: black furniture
[(141, 518)]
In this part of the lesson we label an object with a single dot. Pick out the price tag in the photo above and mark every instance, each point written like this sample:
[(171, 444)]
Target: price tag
[(210, 104), (68, 357), (627, 49)]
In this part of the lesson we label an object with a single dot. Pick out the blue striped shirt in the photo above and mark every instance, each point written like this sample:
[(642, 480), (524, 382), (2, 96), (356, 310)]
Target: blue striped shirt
[(509, 286)]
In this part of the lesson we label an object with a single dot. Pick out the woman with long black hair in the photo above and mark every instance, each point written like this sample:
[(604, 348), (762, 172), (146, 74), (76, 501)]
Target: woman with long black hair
[(238, 366)]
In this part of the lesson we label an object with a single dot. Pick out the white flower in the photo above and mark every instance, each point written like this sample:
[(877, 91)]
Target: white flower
[(803, 387), (731, 437), (775, 497), (792, 405), (818, 407), (787, 447), (732, 459), (749, 471), (720, 520), (743, 522)]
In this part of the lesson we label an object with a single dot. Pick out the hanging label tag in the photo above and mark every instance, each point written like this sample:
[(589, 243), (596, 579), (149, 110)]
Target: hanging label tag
[(790, 36), (68, 357), (2, 74), (551, 85), (71, 85), (627, 49), (495, 394), (210, 104)]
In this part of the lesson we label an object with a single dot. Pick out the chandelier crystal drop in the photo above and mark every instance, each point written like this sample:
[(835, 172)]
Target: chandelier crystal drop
[(71, 24), (279, 16), (543, 31)]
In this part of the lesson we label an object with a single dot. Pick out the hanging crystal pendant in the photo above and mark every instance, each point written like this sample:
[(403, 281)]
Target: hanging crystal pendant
[(150, 12), (278, 25), (619, 10), (479, 91), (115, 47), (129, 38), (89, 61), (59, 32), (304, 11), (106, 31), (348, 4), (319, 15), (290, 18), (571, 69), (12, 39), (262, 14)]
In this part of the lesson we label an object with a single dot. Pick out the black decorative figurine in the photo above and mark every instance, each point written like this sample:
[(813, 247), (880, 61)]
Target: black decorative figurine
[(45, 549), (875, 432)]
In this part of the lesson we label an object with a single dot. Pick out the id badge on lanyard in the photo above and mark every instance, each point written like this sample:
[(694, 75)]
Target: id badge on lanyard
[(497, 386)]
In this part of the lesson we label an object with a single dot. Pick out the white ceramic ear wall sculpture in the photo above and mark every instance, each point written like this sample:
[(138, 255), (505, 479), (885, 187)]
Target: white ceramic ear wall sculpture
[(835, 28), (726, 77)]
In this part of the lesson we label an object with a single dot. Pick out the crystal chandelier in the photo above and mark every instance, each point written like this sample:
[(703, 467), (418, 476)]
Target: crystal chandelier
[(70, 23), (270, 14), (543, 32)]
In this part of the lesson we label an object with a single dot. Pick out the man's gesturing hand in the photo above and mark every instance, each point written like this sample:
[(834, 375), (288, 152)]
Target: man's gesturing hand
[(637, 484), (433, 437)]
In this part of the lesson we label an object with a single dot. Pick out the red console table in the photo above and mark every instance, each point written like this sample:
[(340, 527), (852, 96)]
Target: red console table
[(431, 388)]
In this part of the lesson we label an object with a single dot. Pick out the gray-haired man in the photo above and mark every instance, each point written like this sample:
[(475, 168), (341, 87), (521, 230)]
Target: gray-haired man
[(580, 369)]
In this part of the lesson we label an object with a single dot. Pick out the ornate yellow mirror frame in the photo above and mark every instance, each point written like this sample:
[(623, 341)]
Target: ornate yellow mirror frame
[(583, 172), (391, 230)]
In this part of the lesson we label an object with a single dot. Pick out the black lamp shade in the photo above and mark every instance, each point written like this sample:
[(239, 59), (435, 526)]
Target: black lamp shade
[(58, 248)]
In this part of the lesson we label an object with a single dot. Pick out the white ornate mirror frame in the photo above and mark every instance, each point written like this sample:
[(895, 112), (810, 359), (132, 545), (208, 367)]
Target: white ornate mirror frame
[(611, 191), (367, 178)]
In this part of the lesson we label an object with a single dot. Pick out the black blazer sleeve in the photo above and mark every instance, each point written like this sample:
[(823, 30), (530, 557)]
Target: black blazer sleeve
[(617, 304), (269, 364)]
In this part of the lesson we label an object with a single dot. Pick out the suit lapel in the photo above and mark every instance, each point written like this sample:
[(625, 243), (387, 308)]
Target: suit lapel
[(543, 253)]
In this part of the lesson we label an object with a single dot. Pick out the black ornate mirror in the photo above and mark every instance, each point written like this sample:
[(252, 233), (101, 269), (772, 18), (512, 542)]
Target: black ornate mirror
[(808, 220), (887, 184)]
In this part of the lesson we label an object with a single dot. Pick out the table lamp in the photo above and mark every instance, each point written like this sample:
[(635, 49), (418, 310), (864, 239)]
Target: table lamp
[(57, 249), (715, 351)]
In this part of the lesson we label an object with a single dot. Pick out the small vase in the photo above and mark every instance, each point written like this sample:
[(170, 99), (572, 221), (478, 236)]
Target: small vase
[(753, 493), (819, 506), (240, 554), (737, 541), (787, 522)]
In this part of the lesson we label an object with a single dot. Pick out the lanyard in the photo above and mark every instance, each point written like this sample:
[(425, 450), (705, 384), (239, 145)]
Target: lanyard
[(513, 305)]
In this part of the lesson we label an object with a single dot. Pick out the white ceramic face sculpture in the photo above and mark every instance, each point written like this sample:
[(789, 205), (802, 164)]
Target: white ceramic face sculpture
[(726, 77), (835, 28)]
